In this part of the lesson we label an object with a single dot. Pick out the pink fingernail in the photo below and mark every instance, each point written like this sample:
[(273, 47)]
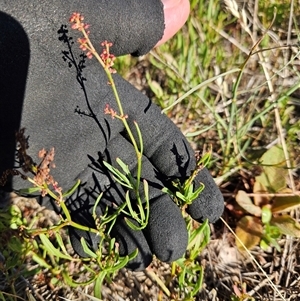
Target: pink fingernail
[(170, 3)]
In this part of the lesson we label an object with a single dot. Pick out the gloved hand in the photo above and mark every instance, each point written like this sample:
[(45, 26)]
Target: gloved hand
[(59, 97)]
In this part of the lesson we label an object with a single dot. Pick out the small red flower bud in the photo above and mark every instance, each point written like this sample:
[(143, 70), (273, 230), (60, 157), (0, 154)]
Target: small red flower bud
[(109, 111), (89, 55)]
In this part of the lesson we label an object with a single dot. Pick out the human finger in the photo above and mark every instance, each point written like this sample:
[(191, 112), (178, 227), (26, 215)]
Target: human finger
[(176, 13)]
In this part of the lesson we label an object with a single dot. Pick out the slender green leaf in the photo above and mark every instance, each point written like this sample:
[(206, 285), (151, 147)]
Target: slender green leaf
[(86, 249), (70, 282), (132, 225), (198, 285), (98, 284), (30, 190), (168, 191), (181, 278), (196, 193), (123, 166), (120, 264), (140, 137), (51, 249), (199, 132), (71, 190), (181, 196), (203, 84), (119, 176), (146, 191), (127, 177), (96, 204), (133, 254), (196, 233), (128, 202), (61, 243), (90, 268), (40, 261)]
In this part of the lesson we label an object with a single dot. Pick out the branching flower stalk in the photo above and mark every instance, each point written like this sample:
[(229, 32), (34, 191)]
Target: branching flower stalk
[(44, 182), (106, 60), (59, 198)]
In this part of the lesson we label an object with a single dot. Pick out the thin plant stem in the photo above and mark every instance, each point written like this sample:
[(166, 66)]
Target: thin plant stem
[(106, 61), (119, 104)]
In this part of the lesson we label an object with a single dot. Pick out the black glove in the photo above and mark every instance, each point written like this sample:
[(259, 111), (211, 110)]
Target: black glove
[(58, 96)]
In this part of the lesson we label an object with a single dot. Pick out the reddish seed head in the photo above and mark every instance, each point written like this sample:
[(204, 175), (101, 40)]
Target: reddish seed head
[(77, 19), (75, 16), (89, 55), (109, 111), (85, 44)]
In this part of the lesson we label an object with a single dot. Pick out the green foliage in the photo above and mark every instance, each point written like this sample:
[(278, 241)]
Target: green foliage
[(189, 270), (209, 96), (126, 179)]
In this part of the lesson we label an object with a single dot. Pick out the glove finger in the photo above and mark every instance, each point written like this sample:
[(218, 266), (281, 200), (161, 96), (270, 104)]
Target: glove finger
[(166, 230), (176, 13)]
